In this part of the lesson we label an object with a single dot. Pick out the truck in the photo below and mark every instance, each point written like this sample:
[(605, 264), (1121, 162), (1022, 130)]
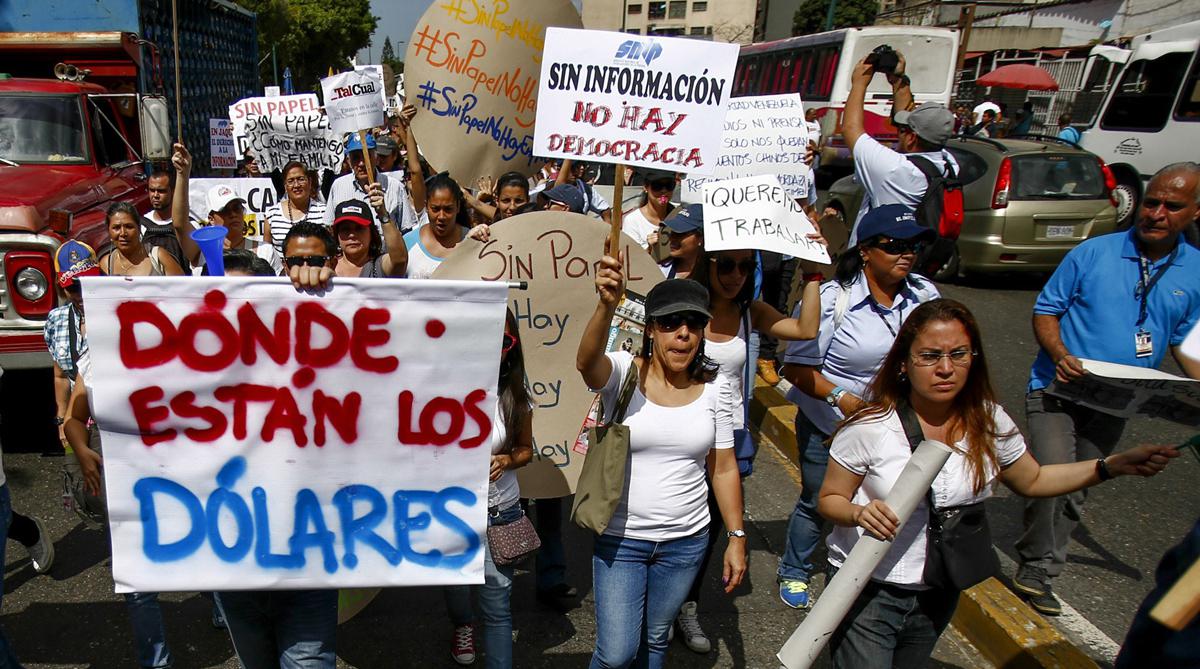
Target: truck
[(86, 108)]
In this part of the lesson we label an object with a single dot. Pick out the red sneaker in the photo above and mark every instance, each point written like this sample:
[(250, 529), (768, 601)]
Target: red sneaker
[(462, 647)]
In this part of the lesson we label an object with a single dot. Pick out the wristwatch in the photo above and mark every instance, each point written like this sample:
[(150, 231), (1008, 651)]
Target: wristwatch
[(59, 420), (740, 534), (384, 220), (834, 395)]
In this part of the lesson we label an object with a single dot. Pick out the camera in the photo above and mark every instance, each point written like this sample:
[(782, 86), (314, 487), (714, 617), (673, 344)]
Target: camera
[(884, 59)]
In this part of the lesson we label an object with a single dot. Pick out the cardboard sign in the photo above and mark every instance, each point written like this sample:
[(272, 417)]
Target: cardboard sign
[(256, 437), (1128, 391), (353, 100), (472, 72), (306, 137), (243, 110), (220, 144), (618, 98), (259, 194), (556, 253), (763, 134), (758, 213)]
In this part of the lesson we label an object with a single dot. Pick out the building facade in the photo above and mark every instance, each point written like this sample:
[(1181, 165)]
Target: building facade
[(734, 21)]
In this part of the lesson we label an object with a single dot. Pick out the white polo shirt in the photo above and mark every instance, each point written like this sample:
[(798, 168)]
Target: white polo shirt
[(889, 177)]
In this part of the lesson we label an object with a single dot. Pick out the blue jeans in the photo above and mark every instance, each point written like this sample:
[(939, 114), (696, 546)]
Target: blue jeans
[(890, 627), (284, 629), (494, 599), (639, 586), (804, 526), (7, 659), (149, 635)]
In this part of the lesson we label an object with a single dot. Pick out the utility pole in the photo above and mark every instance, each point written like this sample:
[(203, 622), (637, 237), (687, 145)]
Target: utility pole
[(966, 19), (829, 15)]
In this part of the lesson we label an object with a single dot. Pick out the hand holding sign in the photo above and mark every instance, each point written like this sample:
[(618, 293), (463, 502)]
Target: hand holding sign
[(758, 213), (354, 105)]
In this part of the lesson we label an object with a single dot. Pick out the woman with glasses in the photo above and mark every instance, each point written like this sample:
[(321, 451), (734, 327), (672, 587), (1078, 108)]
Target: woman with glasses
[(364, 253), (933, 383), (642, 224), (680, 423), (297, 205), (873, 291)]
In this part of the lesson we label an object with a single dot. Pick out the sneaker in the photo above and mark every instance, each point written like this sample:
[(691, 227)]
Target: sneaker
[(689, 627), (462, 648), (766, 369), (41, 554), (794, 593), (1033, 585)]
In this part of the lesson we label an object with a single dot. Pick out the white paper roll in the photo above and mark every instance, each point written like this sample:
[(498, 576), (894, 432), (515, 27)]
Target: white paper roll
[(805, 644)]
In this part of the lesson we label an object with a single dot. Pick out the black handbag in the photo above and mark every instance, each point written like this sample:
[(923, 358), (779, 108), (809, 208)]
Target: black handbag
[(958, 541)]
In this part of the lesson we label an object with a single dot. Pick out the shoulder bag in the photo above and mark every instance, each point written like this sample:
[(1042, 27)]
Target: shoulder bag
[(602, 480), (958, 541), (513, 542)]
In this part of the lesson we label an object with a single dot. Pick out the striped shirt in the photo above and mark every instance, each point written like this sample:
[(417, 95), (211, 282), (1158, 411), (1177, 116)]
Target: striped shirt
[(280, 223)]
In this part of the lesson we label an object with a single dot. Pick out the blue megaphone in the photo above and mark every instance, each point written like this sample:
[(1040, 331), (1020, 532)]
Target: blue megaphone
[(211, 240)]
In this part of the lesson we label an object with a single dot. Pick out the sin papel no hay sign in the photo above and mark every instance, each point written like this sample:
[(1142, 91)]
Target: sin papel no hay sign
[(284, 440), (352, 100), (758, 213)]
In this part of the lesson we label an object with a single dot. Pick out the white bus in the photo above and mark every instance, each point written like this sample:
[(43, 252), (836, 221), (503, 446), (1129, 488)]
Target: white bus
[(818, 67), (1151, 117)]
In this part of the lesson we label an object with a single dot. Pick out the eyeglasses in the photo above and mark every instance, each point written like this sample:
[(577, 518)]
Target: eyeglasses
[(960, 357), (311, 261), (726, 265), (296, 181), (510, 342), (665, 184), (898, 247), (671, 322)]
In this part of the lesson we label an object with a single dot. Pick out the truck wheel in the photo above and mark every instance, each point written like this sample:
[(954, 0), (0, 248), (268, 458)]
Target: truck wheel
[(1128, 194)]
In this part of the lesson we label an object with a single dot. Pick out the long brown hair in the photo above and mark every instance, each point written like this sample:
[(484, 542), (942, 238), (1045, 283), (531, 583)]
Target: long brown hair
[(971, 414), (514, 394)]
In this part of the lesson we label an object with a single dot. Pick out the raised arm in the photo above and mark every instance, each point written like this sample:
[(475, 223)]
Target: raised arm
[(767, 318), (853, 124), (593, 365), (416, 186), (395, 263), (180, 214)]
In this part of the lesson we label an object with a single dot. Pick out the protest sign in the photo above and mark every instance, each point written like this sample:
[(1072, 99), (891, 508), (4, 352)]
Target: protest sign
[(379, 71), (763, 134), (259, 194), (1127, 391), (619, 98), (306, 137), (242, 110), (220, 144), (473, 74), (353, 101), (757, 213), (556, 253), (257, 437)]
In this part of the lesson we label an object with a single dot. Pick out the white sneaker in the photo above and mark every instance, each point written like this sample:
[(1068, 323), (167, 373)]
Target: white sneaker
[(41, 554), (689, 627)]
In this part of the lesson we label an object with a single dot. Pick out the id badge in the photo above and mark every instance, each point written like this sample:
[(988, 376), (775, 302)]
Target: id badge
[(1143, 347)]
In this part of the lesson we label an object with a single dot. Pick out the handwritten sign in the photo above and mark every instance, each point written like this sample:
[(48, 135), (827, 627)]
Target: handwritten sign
[(259, 194), (763, 134), (220, 144), (472, 71), (618, 98), (306, 137), (1128, 392), (343, 443), (353, 100), (556, 253), (757, 213), (242, 110)]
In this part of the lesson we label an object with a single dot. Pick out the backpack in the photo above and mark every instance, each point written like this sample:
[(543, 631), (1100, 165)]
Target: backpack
[(164, 236), (940, 210)]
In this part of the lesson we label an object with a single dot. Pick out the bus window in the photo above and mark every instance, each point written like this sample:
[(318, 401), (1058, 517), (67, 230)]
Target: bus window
[(1145, 94), (769, 65), (797, 77), (1189, 98), (781, 79), (828, 68)]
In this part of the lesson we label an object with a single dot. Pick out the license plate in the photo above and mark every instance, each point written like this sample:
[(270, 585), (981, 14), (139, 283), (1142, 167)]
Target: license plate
[(1059, 231)]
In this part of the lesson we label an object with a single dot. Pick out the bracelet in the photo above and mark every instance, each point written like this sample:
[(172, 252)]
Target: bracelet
[(1102, 470), (813, 276)]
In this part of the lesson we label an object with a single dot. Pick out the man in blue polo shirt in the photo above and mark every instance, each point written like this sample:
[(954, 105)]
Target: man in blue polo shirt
[(1124, 298)]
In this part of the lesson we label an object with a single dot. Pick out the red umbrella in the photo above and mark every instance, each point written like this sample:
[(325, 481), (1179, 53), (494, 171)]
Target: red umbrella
[(1028, 77)]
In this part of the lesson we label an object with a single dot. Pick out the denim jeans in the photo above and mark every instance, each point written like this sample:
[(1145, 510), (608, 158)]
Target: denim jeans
[(7, 659), (149, 635), (494, 598), (890, 627), (282, 629), (805, 524), (551, 561), (639, 586)]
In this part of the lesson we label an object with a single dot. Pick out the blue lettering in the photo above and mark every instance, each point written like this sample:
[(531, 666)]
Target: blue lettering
[(308, 512), (145, 490), (262, 538), (224, 496), (362, 527), (455, 524)]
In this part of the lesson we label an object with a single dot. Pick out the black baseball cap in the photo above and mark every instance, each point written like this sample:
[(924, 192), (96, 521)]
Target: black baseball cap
[(675, 296), (352, 211)]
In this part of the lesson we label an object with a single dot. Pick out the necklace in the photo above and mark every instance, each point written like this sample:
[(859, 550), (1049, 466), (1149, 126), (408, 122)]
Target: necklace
[(291, 211), (125, 261)]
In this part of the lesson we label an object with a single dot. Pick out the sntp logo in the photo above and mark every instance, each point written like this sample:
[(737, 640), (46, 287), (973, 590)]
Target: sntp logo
[(635, 50)]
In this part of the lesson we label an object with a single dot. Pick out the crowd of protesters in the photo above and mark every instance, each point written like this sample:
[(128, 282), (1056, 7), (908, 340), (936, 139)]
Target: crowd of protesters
[(877, 360)]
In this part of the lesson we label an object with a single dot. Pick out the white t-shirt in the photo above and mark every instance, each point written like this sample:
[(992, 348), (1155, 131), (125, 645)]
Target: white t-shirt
[(878, 450), (666, 497), (889, 177), (984, 106), (504, 490), (636, 225), (730, 357), (421, 264)]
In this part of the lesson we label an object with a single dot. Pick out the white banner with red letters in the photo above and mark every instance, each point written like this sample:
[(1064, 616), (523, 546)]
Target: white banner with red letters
[(256, 437)]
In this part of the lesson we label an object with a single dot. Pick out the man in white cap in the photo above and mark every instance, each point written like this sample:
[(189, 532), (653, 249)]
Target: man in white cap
[(887, 175)]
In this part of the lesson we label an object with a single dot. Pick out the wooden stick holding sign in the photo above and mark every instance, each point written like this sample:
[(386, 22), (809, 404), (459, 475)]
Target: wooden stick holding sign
[(362, 139), (354, 105), (178, 98), (614, 236), (1181, 604)]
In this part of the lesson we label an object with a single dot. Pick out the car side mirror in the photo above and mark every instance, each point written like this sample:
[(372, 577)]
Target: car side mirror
[(156, 128)]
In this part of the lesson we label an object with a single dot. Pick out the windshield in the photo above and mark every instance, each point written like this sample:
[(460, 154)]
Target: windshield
[(1056, 177), (41, 129)]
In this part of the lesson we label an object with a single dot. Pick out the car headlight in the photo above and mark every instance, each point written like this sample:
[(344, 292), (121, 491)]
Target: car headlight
[(31, 284)]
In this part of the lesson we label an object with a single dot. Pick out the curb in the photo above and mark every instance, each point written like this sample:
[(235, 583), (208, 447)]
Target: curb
[(1003, 628)]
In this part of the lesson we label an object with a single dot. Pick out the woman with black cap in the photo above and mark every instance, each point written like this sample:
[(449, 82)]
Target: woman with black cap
[(642, 223), (680, 419)]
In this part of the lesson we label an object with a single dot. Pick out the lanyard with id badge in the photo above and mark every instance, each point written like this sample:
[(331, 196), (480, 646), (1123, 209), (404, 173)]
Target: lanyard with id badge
[(1143, 343)]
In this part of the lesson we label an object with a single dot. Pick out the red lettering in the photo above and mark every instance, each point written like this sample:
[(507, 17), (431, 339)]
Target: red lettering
[(630, 116), (675, 124), (309, 314), (255, 334), (215, 323), (440, 405), (366, 336), (653, 116), (130, 314), (147, 415), (184, 406), (343, 416), (284, 414), (239, 395), (404, 411), (482, 420)]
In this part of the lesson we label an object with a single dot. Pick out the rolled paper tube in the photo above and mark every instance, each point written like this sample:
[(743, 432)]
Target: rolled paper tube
[(211, 240), (805, 644)]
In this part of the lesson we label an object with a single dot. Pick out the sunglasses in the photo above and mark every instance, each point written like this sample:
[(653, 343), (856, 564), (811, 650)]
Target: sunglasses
[(665, 184), (510, 342), (672, 322), (311, 261), (898, 247), (726, 265)]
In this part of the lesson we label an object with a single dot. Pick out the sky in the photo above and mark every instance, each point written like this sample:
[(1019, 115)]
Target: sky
[(396, 20)]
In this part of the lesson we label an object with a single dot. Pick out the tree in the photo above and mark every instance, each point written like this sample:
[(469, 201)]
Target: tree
[(388, 57), (810, 18), (311, 37)]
